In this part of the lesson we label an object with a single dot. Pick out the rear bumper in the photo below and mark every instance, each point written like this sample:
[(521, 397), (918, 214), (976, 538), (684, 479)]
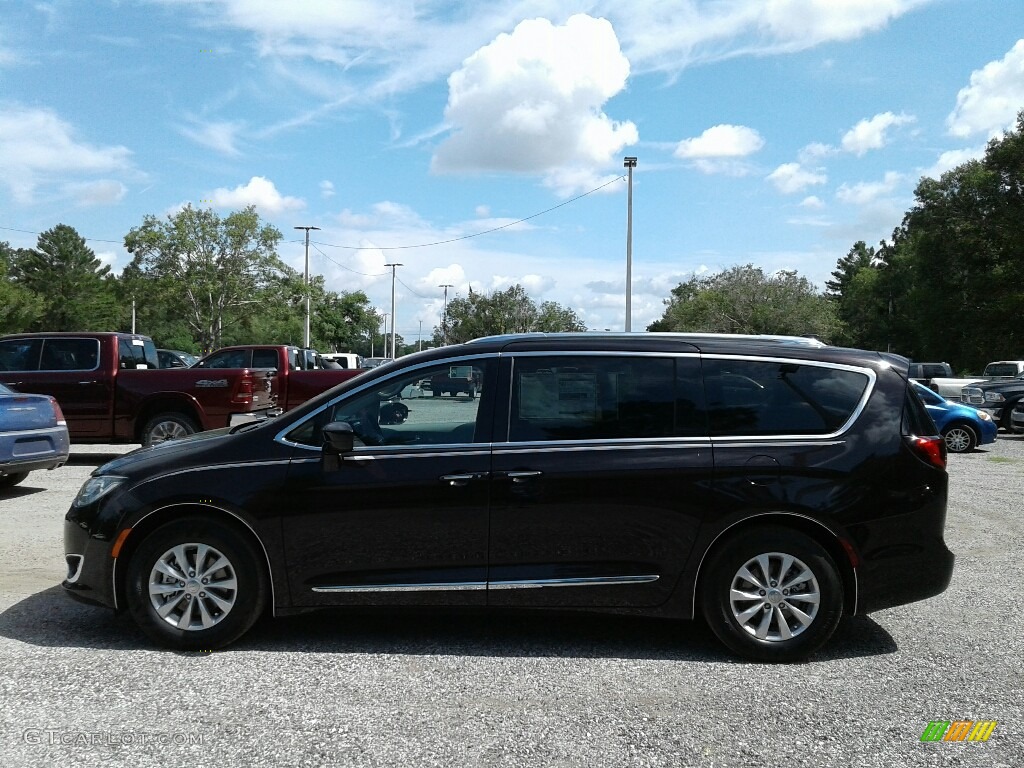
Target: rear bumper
[(904, 578), (27, 451)]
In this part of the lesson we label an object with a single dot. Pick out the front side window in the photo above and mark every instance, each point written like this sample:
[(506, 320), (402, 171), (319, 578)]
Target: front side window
[(748, 397), (229, 358), (591, 398), (20, 354), (405, 410)]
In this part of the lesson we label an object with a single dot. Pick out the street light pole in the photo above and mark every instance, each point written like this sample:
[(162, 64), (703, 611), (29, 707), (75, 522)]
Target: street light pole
[(393, 323), (444, 314), (630, 164), (305, 343)]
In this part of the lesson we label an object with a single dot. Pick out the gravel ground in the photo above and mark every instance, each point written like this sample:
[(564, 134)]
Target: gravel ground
[(80, 686)]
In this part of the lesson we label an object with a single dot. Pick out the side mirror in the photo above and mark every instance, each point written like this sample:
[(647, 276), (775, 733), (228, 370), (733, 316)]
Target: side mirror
[(338, 437)]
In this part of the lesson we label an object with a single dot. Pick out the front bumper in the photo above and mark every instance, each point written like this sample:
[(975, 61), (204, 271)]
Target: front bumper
[(90, 567)]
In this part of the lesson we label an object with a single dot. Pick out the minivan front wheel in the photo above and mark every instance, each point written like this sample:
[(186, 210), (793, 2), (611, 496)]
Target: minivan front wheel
[(772, 594), (195, 584)]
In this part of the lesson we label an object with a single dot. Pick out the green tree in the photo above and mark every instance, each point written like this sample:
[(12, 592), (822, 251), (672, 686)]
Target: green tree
[(508, 311), (76, 290), (743, 299), (19, 307), (215, 273)]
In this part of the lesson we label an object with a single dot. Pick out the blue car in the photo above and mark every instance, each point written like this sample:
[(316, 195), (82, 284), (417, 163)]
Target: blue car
[(33, 435), (963, 427)]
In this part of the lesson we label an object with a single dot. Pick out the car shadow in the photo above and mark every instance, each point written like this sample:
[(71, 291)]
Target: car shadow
[(20, 491), (92, 458), (50, 619)]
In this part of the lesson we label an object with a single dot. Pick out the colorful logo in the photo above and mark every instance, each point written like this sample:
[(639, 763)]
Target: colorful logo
[(959, 730)]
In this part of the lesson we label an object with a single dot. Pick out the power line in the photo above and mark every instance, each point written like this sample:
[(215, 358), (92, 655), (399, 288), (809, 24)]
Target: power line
[(385, 247)]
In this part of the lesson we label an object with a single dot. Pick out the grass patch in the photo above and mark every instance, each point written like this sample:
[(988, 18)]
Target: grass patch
[(1003, 460)]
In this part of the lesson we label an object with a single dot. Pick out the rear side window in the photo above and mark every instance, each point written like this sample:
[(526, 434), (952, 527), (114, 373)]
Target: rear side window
[(753, 397), (916, 419), (264, 358), (135, 353), (591, 398), (70, 355)]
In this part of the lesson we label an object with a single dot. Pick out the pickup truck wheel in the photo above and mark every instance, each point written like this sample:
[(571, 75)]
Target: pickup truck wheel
[(168, 426), (772, 594), (7, 481), (960, 438), (195, 584)]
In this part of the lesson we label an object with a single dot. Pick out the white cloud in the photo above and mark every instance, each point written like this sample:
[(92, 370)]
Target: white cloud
[(871, 133), (790, 178), (326, 189), (483, 211), (90, 193), (721, 141), (812, 202), (37, 147), (867, 192), (815, 152), (951, 159), (219, 136), (531, 102), (259, 192), (990, 103)]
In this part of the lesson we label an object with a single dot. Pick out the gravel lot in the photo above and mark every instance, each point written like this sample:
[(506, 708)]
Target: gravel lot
[(80, 686)]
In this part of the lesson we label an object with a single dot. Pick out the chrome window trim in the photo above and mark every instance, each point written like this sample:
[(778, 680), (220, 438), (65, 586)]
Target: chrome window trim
[(872, 377), (620, 444), (99, 355), (464, 586), (403, 452), (266, 555), (281, 436)]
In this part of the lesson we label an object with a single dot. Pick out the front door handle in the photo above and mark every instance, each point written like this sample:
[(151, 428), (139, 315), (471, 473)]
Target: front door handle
[(458, 481)]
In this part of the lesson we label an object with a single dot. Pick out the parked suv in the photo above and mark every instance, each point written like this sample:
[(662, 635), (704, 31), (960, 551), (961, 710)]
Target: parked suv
[(766, 484)]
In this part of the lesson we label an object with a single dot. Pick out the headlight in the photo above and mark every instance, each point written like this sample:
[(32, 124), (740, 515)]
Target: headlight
[(994, 397), (96, 488), (983, 415)]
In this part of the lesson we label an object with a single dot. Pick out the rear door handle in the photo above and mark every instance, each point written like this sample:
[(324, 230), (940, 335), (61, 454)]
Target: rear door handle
[(522, 476)]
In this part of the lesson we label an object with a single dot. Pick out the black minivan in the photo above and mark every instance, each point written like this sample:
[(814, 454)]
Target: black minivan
[(768, 484)]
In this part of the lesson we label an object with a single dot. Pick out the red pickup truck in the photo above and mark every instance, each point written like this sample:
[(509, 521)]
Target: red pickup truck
[(298, 372), (111, 389)]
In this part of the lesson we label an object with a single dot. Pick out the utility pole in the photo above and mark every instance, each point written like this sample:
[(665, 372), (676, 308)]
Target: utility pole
[(394, 324), (630, 164), (305, 343), (419, 337), (444, 314)]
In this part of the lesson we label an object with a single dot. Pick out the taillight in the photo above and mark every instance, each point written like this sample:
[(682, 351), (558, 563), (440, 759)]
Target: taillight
[(61, 421), (929, 449), (245, 389)]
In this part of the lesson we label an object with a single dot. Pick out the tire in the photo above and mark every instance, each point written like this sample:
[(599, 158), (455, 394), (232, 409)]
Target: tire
[(794, 626), (168, 426), (472, 391), (960, 438), (188, 603), (9, 481)]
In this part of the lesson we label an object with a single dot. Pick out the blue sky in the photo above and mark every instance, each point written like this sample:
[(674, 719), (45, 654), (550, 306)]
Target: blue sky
[(772, 132)]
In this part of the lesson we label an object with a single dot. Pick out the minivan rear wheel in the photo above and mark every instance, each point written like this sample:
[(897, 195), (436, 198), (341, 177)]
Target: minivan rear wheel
[(772, 594), (195, 584)]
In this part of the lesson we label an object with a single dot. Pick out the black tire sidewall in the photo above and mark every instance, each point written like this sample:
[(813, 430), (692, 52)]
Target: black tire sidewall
[(249, 572), (717, 582)]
